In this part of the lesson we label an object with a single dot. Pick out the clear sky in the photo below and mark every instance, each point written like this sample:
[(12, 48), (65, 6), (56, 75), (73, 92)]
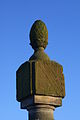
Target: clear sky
[(62, 18)]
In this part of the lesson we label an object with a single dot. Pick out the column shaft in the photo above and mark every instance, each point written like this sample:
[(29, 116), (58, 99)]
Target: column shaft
[(41, 112)]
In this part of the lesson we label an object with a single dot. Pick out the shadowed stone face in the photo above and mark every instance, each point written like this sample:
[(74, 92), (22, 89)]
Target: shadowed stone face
[(38, 35)]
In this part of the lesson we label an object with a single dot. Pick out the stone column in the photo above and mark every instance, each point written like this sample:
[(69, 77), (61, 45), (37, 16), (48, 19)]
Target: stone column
[(40, 82), (41, 107)]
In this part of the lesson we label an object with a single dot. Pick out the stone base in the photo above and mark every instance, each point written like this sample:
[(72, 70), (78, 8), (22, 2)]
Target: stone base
[(41, 107)]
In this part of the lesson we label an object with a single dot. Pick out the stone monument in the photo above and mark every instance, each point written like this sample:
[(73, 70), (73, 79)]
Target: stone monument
[(40, 83)]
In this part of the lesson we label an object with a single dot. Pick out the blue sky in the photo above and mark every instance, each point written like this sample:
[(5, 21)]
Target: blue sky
[(62, 18)]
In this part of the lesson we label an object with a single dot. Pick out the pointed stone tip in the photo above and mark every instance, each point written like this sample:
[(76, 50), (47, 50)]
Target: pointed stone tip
[(38, 35)]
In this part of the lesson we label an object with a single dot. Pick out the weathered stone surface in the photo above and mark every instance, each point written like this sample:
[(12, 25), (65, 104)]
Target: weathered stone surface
[(41, 114), (40, 83), (40, 78), (41, 107), (39, 54), (38, 35), (41, 100)]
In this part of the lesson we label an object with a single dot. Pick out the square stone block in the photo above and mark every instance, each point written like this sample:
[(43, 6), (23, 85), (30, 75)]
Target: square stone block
[(40, 78)]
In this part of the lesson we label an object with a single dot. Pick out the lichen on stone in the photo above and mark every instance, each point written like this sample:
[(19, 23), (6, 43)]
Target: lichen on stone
[(38, 35)]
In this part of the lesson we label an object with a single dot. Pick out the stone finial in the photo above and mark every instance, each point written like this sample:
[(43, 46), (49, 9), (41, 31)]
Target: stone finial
[(40, 84), (39, 40), (38, 35)]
